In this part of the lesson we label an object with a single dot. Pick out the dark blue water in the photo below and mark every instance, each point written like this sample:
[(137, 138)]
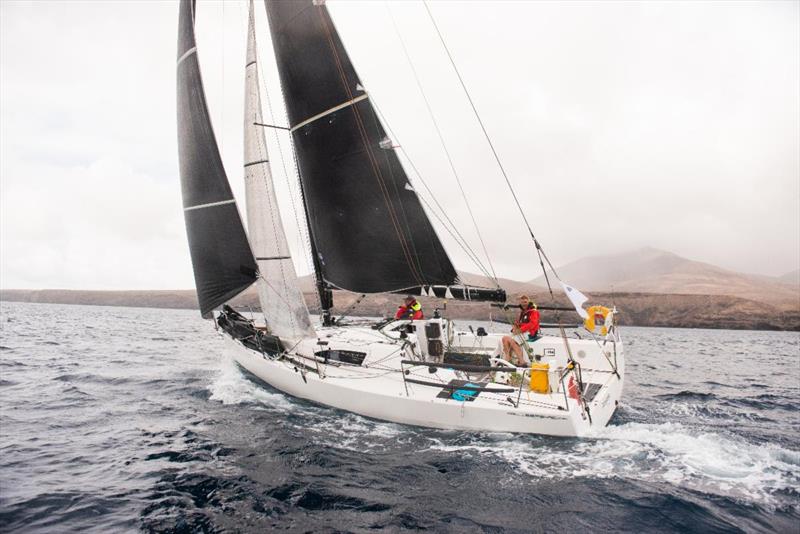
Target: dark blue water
[(116, 419)]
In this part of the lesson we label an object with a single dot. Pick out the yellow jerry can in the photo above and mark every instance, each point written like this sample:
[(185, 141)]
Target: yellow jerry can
[(540, 382)]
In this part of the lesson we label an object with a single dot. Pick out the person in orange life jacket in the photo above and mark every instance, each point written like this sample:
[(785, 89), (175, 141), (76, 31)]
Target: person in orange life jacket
[(526, 323), (410, 309)]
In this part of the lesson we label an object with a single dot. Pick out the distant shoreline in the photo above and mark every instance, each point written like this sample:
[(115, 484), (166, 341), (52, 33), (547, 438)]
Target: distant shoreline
[(636, 309)]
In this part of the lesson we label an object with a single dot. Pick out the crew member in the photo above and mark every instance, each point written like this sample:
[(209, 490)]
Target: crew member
[(527, 323), (410, 309)]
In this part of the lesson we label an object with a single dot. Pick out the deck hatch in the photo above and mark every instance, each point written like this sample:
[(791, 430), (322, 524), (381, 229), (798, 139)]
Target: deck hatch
[(345, 356)]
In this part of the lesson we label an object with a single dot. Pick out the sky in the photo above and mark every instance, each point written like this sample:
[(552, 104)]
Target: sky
[(621, 125)]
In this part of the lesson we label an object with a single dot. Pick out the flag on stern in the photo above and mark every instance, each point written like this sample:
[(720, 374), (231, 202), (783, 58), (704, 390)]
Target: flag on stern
[(577, 298)]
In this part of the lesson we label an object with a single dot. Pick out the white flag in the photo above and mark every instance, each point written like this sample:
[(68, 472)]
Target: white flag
[(577, 298)]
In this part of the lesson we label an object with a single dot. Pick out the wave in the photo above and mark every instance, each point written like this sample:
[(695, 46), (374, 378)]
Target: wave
[(688, 395), (230, 386), (708, 462), (345, 430)]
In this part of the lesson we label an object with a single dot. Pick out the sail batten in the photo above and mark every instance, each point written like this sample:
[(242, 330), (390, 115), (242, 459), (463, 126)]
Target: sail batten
[(222, 261), (328, 112), (210, 205)]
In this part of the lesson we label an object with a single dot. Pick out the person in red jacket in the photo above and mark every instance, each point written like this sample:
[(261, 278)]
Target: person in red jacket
[(410, 309), (527, 323)]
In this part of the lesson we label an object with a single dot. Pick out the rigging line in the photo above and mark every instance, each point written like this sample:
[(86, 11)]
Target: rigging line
[(266, 176), (303, 233), (303, 238), (392, 355), (370, 155), (491, 145), (350, 308), (468, 252), (387, 154), (373, 161), (262, 150), (319, 276), (278, 293), (441, 139), (454, 231), (382, 186), (302, 230)]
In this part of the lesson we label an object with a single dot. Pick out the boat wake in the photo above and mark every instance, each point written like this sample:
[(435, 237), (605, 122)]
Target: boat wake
[(345, 430), (708, 462), (230, 386)]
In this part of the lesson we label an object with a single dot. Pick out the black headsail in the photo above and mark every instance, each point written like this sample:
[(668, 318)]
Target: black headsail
[(221, 257), (369, 231)]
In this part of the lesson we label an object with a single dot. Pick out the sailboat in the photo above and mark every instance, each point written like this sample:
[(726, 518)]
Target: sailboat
[(368, 233)]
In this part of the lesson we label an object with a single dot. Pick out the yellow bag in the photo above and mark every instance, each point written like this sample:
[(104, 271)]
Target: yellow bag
[(540, 382)]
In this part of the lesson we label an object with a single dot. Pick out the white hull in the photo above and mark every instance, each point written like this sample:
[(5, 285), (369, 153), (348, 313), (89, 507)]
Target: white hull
[(376, 389)]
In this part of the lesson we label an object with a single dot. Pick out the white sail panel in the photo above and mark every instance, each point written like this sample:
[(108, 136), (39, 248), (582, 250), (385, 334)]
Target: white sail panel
[(278, 292)]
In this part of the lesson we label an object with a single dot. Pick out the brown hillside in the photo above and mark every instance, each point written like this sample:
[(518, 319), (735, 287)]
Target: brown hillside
[(636, 309), (651, 270)]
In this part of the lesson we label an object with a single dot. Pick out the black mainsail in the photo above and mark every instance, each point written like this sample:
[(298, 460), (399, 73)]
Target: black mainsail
[(221, 257), (369, 231)]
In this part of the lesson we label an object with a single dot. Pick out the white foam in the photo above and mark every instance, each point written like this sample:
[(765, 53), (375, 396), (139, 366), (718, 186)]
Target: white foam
[(353, 432), (709, 462), (341, 429), (231, 387)]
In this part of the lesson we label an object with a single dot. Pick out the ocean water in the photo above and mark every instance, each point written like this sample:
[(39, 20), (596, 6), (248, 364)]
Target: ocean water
[(122, 419)]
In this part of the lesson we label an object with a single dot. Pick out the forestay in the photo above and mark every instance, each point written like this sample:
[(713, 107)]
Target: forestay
[(221, 257), (281, 300)]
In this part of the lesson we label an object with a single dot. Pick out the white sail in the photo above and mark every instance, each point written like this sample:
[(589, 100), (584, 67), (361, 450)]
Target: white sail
[(281, 299)]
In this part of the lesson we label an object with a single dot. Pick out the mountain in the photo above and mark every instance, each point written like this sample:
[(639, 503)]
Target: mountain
[(145, 298), (636, 309), (651, 270), (792, 278), (650, 287)]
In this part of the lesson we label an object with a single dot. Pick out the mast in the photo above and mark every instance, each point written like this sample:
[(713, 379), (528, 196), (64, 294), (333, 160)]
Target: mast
[(222, 261), (323, 289), (281, 300)]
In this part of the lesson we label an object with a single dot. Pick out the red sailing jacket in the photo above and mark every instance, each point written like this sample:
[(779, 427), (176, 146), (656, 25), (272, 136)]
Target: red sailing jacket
[(528, 321), (413, 312)]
